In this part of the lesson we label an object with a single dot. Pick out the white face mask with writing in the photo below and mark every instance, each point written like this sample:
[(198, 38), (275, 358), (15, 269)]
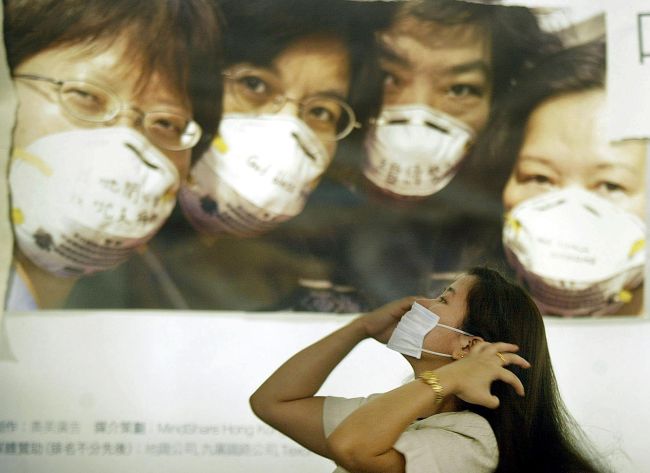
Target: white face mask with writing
[(258, 174), (578, 253), (83, 200), (414, 150), (408, 336)]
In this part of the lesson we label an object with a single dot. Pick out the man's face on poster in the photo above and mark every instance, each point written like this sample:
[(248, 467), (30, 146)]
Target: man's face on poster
[(445, 67)]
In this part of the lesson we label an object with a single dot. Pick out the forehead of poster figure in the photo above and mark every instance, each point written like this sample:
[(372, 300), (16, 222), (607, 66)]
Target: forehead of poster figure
[(160, 35), (103, 65), (310, 65), (113, 64), (439, 52), (565, 144)]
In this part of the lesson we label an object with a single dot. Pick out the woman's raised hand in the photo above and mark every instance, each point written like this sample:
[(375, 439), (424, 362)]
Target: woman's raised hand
[(470, 377), (380, 323)]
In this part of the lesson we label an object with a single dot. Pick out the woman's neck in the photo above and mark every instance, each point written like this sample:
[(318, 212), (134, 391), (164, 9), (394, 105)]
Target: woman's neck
[(450, 403), (427, 363), (49, 291)]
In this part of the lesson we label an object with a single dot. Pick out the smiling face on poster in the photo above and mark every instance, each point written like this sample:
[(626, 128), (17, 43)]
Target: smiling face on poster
[(98, 160), (105, 130)]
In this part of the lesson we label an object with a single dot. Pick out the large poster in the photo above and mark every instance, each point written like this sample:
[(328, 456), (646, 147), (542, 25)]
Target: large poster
[(7, 112), (384, 149), (230, 176)]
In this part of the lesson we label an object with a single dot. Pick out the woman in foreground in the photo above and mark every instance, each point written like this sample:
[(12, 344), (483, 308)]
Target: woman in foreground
[(464, 412)]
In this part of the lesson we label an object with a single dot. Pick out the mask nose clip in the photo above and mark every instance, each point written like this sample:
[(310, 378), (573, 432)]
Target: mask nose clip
[(436, 127), (305, 150), (141, 156)]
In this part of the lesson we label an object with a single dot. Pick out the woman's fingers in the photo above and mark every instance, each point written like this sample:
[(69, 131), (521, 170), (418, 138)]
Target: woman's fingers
[(399, 307), (488, 362), (499, 347), (512, 359), (490, 401), (505, 352), (510, 378), (493, 402), (381, 322)]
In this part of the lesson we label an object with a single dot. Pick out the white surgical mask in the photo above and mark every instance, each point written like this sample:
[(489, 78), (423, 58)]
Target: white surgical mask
[(408, 336), (578, 253), (83, 200), (414, 150), (258, 174)]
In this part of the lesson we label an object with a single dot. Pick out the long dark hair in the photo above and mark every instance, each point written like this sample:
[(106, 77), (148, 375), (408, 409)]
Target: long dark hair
[(535, 433)]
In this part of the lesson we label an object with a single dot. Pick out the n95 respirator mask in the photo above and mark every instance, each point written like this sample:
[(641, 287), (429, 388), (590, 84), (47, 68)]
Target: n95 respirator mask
[(578, 253), (414, 150), (258, 174), (83, 200)]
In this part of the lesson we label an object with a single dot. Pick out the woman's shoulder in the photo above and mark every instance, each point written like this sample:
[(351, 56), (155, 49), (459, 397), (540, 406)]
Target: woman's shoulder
[(452, 441), (466, 423)]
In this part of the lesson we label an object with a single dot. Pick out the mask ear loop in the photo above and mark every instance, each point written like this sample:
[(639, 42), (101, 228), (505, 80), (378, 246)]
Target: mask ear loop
[(436, 353), (453, 329)]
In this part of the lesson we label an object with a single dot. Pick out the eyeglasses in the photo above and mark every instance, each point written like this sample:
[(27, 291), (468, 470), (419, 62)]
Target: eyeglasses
[(257, 91), (96, 104)]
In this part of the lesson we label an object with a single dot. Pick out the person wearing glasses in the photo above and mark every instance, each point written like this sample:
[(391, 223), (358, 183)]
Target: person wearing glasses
[(289, 98), (299, 76), (105, 131)]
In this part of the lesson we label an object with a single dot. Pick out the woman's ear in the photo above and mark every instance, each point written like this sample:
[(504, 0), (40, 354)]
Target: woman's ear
[(466, 342), (459, 353)]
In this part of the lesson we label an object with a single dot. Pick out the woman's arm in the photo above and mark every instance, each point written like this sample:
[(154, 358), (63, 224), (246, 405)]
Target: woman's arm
[(364, 441), (286, 399)]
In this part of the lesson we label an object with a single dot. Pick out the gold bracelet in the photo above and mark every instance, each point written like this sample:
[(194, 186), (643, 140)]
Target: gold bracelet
[(431, 378)]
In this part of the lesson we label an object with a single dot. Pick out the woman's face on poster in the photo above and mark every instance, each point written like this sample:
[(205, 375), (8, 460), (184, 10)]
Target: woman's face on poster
[(106, 65), (565, 145), (446, 67), (308, 70)]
